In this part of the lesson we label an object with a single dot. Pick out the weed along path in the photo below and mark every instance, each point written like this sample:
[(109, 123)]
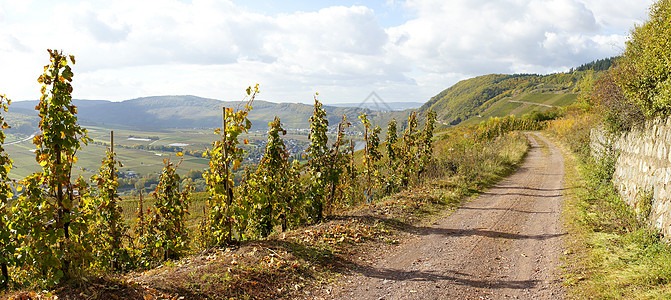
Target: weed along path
[(505, 243)]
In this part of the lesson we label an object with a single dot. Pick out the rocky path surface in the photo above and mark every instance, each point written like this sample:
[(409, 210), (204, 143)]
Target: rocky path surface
[(504, 244)]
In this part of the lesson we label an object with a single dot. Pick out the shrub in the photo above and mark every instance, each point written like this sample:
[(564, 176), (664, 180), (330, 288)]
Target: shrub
[(646, 63)]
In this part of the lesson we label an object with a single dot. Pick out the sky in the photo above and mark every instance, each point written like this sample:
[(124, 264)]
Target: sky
[(344, 50)]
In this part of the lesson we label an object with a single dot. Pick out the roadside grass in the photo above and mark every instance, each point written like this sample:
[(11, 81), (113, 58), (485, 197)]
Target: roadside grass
[(610, 253), (545, 148)]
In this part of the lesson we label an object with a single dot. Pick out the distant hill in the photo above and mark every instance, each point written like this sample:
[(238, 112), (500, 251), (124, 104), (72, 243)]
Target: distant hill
[(386, 106), (498, 95), (185, 112)]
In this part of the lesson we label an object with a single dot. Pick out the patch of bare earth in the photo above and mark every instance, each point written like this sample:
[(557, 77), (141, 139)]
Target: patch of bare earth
[(506, 243)]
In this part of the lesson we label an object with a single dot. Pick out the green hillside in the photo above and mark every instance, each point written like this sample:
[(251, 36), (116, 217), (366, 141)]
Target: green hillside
[(473, 100), (523, 104)]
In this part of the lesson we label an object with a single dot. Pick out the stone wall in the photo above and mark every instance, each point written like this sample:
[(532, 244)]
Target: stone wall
[(643, 166)]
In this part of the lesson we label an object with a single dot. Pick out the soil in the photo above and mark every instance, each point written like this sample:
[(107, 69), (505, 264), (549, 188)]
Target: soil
[(504, 244)]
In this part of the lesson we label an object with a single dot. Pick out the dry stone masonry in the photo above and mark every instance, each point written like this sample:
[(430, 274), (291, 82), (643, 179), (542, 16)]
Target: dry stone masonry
[(643, 167)]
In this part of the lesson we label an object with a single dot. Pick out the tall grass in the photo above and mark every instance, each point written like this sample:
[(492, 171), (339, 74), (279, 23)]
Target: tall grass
[(611, 253)]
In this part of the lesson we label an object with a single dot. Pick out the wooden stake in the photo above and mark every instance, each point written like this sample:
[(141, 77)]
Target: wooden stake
[(227, 196), (141, 214), (116, 240)]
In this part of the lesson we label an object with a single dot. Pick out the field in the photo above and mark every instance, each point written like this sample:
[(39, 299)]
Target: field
[(139, 160), (139, 150), (522, 104)]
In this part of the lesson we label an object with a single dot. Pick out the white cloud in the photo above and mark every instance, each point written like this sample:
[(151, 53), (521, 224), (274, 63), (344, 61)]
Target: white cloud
[(470, 37), (102, 31), (621, 15), (215, 49)]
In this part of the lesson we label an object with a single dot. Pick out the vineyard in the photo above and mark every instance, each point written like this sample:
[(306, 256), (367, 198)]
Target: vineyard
[(55, 228), (58, 228)]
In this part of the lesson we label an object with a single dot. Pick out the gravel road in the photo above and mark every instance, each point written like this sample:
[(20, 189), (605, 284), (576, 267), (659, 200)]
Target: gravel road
[(504, 244)]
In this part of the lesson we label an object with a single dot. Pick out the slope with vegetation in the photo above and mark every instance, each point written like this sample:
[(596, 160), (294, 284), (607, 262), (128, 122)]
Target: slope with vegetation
[(498, 95), (71, 235), (282, 225), (613, 252)]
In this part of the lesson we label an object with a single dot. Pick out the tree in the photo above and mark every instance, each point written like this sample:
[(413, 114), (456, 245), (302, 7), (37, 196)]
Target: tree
[(325, 163), (391, 180), (390, 143), (48, 208), (107, 225), (226, 156), (350, 179), (271, 190), (646, 78), (371, 155), (618, 113), (170, 236), (426, 145), (408, 154), (318, 160), (338, 159)]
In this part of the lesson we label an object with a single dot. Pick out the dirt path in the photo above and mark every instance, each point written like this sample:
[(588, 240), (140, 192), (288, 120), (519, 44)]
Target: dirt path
[(506, 243)]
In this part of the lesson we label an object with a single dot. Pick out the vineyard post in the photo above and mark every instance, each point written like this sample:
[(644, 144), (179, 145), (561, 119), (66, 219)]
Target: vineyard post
[(351, 161), (63, 213), (336, 157), (227, 198), (116, 243), (367, 158), (141, 215), (351, 148), (57, 145), (5, 235), (112, 176)]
